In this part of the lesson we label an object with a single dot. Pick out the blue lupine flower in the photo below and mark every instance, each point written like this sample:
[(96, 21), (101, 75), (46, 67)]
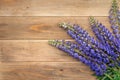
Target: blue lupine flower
[(72, 49), (101, 55), (79, 38), (114, 19), (89, 46), (106, 37)]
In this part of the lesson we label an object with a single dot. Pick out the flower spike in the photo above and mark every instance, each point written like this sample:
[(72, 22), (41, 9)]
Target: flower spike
[(102, 55)]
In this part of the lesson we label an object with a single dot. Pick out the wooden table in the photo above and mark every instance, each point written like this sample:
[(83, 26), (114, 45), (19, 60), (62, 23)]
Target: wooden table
[(27, 25)]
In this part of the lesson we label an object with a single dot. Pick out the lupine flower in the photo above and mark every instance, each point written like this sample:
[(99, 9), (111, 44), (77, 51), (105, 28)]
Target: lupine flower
[(102, 55), (73, 50), (106, 37), (114, 16), (114, 19), (87, 42)]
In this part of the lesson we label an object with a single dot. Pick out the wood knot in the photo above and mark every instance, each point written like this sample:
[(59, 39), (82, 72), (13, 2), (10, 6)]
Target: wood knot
[(61, 69), (39, 27)]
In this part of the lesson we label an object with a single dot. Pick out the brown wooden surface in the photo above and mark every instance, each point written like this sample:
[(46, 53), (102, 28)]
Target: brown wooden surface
[(31, 50), (45, 71), (27, 25), (41, 28), (54, 7)]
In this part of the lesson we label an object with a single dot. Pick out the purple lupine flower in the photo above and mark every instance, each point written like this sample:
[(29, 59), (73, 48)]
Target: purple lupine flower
[(106, 37), (114, 19), (71, 49), (82, 34), (114, 13), (75, 46), (101, 55), (78, 36)]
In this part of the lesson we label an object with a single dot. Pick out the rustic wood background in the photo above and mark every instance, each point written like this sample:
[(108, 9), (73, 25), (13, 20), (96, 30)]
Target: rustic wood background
[(27, 25)]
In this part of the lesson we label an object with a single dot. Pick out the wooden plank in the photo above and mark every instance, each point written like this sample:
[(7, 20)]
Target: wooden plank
[(31, 50), (42, 28), (45, 71), (54, 7)]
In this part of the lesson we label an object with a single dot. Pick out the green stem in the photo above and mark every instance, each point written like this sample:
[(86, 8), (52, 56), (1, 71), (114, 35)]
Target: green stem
[(109, 77)]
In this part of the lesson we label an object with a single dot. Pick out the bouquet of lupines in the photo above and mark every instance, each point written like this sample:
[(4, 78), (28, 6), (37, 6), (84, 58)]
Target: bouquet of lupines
[(102, 55)]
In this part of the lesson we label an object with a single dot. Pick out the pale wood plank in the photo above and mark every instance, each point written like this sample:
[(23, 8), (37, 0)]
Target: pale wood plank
[(43, 28), (54, 7), (45, 71), (31, 50)]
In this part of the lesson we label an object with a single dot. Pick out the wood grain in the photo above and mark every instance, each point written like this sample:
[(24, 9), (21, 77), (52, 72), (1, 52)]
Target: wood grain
[(25, 53), (27, 25), (54, 7), (45, 71), (31, 50), (41, 28)]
